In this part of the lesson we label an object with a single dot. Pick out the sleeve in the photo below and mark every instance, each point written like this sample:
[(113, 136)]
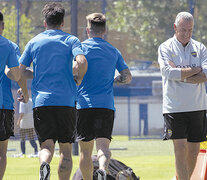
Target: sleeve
[(12, 60), (121, 64), (17, 52), (203, 59), (16, 47), (76, 47), (167, 71), (26, 57), (21, 108)]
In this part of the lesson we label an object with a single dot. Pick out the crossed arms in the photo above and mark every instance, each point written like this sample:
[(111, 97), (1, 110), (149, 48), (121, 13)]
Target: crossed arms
[(192, 75)]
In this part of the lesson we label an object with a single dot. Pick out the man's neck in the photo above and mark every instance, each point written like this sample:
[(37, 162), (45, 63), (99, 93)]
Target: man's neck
[(96, 36), (53, 28)]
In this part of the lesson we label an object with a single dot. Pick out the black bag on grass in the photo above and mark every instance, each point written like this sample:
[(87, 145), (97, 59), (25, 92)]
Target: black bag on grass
[(117, 169)]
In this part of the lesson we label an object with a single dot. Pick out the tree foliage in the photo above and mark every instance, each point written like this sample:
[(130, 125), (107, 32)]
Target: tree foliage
[(147, 23), (11, 26), (200, 16)]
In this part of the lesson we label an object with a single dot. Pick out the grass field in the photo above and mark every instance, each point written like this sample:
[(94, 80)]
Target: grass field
[(150, 159)]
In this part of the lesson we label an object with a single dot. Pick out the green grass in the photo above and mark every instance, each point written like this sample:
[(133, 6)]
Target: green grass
[(150, 159)]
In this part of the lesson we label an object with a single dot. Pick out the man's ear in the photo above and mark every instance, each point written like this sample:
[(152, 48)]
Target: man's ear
[(62, 24), (175, 27), (87, 30), (44, 23)]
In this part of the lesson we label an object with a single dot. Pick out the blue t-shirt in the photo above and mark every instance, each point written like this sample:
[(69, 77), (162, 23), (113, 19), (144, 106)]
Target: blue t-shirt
[(7, 93), (8, 57), (96, 89), (52, 52)]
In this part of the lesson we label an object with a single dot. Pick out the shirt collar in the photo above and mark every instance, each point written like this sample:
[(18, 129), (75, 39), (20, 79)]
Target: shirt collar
[(180, 44)]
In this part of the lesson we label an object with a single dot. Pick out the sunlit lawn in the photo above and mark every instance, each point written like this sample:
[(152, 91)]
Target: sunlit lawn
[(150, 159)]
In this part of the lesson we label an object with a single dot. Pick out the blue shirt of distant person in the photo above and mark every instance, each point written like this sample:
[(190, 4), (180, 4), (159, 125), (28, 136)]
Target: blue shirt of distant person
[(52, 53), (96, 90)]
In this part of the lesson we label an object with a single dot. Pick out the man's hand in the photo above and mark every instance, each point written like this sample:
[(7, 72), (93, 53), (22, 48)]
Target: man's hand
[(172, 64), (80, 66), (189, 74), (22, 97), (75, 73)]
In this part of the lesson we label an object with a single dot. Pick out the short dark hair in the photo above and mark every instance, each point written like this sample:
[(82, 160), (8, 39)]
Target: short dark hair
[(1, 17), (54, 14), (96, 23)]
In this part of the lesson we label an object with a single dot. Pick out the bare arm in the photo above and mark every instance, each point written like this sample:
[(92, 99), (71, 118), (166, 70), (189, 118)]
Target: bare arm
[(198, 78), (24, 97), (19, 119), (75, 72), (187, 72), (125, 77), (13, 73), (80, 67), (26, 73)]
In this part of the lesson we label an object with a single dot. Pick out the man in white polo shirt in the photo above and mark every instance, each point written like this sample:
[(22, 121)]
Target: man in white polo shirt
[(183, 64)]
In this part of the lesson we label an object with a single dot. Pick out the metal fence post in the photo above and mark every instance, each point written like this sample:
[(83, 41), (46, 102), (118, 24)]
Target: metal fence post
[(18, 19)]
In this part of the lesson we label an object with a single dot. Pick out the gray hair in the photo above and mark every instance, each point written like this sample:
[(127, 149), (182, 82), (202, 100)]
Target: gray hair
[(183, 15)]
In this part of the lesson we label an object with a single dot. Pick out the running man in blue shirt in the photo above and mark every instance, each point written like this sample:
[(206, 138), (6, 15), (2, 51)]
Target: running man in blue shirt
[(53, 88), (95, 99), (8, 100), (8, 57)]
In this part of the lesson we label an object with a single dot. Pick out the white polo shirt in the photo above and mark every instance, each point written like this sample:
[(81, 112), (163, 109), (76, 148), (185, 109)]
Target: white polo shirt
[(27, 120), (179, 96)]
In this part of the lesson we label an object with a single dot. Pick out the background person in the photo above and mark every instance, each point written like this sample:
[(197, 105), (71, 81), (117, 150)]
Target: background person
[(183, 64), (9, 56), (95, 100), (26, 124), (54, 88)]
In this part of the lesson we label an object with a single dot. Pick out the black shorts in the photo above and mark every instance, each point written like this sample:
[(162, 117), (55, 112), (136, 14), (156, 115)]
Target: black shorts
[(185, 125), (6, 124), (55, 122), (94, 123)]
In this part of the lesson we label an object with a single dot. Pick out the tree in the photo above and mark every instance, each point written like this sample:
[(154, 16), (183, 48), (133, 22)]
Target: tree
[(147, 23), (11, 26), (200, 16)]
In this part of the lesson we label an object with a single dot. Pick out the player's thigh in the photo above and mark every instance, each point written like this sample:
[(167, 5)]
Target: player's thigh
[(103, 123), (65, 149), (3, 147), (102, 143), (85, 128), (45, 123), (6, 124), (65, 120), (86, 147), (175, 126)]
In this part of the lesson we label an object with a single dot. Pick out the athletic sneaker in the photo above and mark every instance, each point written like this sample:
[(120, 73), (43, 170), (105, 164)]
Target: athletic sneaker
[(20, 155), (33, 155), (45, 171), (101, 174)]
